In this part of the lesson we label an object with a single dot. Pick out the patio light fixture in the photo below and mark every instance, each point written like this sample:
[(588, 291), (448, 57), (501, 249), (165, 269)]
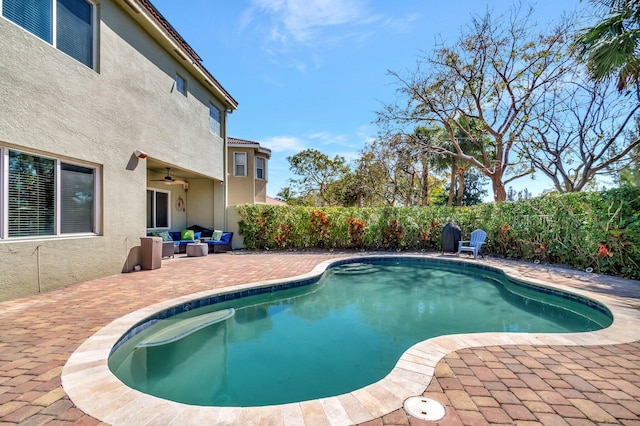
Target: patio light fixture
[(140, 154)]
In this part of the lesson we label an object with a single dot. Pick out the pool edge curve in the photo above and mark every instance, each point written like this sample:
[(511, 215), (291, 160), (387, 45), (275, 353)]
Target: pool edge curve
[(92, 387)]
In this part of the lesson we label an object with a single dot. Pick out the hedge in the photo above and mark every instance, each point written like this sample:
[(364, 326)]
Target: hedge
[(597, 230)]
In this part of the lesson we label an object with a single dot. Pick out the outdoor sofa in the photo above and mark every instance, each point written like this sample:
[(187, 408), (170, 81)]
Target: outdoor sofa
[(222, 245)]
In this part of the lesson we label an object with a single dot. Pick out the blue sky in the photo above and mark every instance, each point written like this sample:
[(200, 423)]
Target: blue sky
[(313, 73)]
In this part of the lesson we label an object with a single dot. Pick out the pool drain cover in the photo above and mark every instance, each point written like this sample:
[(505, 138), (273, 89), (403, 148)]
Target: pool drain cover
[(424, 408)]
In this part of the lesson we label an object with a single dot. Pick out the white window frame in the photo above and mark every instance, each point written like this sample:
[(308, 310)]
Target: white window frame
[(264, 167), (4, 196), (54, 36), (236, 164), (155, 209), (180, 78)]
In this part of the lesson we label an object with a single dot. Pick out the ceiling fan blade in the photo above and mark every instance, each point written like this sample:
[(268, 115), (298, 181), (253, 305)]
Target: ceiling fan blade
[(167, 179)]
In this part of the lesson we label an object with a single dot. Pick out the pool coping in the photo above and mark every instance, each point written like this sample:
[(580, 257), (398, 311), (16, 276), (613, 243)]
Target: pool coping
[(90, 384)]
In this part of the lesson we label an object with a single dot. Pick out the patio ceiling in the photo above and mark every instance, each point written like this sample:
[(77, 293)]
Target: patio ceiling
[(160, 167)]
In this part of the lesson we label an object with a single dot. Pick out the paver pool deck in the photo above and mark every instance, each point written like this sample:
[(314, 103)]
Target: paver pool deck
[(593, 379)]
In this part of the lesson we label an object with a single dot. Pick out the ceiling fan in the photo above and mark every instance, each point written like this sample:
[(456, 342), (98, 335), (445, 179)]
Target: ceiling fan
[(168, 180)]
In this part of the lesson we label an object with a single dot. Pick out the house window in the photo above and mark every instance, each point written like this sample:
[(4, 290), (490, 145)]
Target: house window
[(239, 163), (48, 197), (214, 120), (158, 203), (76, 199), (181, 84), (68, 25), (261, 168)]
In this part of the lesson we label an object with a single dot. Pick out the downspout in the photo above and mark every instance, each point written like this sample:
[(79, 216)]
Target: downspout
[(225, 168)]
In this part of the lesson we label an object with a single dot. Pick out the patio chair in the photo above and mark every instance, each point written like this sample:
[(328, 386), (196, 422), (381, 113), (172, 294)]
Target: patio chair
[(474, 245)]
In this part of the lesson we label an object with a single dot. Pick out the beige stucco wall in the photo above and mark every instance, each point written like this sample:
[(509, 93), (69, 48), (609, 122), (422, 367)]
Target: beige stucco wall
[(260, 188), (241, 188), (200, 203), (232, 226), (51, 104)]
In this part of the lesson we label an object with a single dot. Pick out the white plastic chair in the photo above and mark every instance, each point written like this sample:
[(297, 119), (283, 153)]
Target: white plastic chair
[(474, 245)]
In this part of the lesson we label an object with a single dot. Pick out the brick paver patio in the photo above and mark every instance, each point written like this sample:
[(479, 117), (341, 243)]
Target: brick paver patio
[(528, 385)]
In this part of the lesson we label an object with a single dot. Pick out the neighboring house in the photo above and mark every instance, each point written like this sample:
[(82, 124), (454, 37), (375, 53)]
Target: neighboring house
[(275, 201), (97, 100), (248, 172)]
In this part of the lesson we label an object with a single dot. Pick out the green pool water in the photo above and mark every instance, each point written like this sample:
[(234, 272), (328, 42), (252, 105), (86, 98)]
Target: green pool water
[(340, 334)]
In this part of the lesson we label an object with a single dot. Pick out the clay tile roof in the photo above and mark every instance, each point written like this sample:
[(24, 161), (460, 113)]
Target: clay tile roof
[(237, 141), (248, 143), (275, 201)]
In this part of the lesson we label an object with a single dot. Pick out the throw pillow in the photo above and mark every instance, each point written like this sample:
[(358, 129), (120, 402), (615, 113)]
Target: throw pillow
[(197, 235), (216, 235), (165, 236), (187, 234)]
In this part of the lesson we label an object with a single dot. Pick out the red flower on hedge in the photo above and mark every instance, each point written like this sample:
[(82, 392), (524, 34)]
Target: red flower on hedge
[(603, 250)]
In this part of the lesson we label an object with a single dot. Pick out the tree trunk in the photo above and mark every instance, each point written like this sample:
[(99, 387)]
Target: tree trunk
[(452, 185), (499, 192), (461, 172), (425, 182)]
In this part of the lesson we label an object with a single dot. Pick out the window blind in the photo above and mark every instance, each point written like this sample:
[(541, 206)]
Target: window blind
[(240, 161), (76, 199), (34, 16), (214, 120), (31, 195), (73, 29)]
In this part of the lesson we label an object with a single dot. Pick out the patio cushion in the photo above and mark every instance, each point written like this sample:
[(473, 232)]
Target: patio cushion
[(187, 234), (164, 235), (216, 235)]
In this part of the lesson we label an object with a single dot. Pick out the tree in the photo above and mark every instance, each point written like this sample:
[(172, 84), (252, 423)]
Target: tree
[(482, 90), (388, 171), (612, 46), (458, 168), (287, 195), (394, 170), (524, 194), (474, 188), (630, 175), (318, 174), (581, 129)]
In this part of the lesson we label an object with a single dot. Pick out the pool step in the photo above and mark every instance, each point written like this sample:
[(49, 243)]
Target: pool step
[(183, 327), (356, 269)]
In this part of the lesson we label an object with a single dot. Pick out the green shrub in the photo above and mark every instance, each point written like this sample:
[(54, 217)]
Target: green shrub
[(599, 230)]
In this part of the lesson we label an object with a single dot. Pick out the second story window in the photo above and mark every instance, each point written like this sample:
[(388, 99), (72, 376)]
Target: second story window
[(239, 163), (261, 168), (181, 84), (214, 120), (68, 25)]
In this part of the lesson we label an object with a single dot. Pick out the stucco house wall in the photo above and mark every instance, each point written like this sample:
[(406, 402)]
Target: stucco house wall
[(247, 189), (241, 188), (52, 105)]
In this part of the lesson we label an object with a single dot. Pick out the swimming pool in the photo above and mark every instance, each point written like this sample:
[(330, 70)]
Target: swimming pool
[(345, 325)]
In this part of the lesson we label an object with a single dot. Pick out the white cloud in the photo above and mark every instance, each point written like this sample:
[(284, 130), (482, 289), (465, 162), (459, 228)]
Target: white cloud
[(284, 143), (324, 141), (299, 21)]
